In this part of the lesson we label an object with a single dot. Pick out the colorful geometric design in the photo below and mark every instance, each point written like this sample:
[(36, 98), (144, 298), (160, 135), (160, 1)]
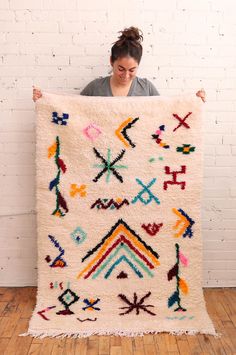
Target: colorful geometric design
[(61, 205), (152, 228), (109, 166), (90, 304), (181, 284), (56, 284), (181, 121), (157, 136), (174, 177), (41, 313), (121, 131), (146, 190), (60, 120), (186, 221), (58, 261), (79, 235), (75, 190), (110, 204), (67, 298), (138, 255), (185, 149), (122, 171), (92, 131), (136, 305), (128, 262)]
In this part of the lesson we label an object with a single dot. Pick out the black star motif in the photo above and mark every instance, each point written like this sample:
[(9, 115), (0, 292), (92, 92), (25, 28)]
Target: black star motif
[(108, 165), (136, 305)]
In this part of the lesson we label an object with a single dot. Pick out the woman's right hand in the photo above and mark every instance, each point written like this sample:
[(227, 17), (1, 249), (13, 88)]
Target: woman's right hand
[(36, 94)]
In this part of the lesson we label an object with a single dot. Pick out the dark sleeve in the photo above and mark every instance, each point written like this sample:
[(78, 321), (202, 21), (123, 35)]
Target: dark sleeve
[(152, 89), (88, 89)]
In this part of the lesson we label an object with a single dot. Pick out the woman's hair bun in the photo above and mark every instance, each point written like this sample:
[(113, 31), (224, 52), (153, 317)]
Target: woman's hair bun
[(131, 34), (128, 44)]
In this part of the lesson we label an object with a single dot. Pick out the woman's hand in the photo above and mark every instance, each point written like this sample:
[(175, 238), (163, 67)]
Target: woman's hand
[(202, 94), (36, 94)]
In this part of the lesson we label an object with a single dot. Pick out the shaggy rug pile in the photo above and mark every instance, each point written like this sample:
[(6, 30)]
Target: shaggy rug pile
[(118, 215)]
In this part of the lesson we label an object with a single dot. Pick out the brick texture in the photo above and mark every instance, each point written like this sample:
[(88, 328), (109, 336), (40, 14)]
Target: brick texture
[(62, 45)]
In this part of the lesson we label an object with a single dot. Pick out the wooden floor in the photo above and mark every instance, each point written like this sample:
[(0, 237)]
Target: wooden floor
[(16, 306)]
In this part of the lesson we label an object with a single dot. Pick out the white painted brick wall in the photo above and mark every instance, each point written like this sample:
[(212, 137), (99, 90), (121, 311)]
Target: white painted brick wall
[(60, 44)]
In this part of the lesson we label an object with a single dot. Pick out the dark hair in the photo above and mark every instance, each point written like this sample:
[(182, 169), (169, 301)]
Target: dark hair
[(128, 44)]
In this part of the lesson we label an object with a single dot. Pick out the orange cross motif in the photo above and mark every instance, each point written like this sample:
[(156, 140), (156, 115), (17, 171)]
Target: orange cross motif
[(75, 189)]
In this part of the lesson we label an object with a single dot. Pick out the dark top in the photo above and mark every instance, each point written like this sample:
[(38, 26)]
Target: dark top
[(101, 87)]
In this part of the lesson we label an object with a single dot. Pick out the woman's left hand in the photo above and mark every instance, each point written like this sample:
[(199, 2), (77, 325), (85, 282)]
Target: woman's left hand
[(202, 94)]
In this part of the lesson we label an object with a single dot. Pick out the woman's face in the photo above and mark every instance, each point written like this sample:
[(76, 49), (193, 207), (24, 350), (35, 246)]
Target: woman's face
[(124, 70)]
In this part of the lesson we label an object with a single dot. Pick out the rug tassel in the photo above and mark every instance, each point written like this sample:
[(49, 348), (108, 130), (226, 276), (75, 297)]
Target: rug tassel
[(42, 335)]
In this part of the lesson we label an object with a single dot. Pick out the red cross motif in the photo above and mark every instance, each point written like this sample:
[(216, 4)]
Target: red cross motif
[(174, 177), (181, 121)]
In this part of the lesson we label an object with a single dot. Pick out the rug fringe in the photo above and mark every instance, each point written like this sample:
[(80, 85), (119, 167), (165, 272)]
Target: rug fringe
[(41, 335)]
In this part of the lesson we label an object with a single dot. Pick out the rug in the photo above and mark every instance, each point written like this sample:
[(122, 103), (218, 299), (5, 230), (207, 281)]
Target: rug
[(118, 216)]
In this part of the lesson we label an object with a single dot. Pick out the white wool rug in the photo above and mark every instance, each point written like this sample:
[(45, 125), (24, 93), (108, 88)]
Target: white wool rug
[(118, 214)]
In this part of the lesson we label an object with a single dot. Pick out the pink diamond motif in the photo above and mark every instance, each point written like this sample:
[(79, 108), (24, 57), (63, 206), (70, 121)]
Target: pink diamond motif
[(92, 131)]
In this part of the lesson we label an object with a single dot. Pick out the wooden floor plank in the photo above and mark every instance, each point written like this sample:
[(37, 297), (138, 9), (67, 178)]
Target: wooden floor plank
[(148, 339), (116, 350), (7, 293), (160, 341), (81, 346), (12, 304), (104, 345), (47, 346), (138, 345), (58, 346), (126, 346), (115, 341), (150, 349), (205, 344), (231, 332), (69, 347), (28, 306), (171, 343), (225, 340), (3, 305), (183, 345), (19, 345), (8, 324), (34, 349), (194, 344), (3, 344), (230, 304), (92, 347), (220, 314)]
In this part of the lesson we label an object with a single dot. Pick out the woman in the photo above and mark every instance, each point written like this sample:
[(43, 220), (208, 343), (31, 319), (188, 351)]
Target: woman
[(125, 57)]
